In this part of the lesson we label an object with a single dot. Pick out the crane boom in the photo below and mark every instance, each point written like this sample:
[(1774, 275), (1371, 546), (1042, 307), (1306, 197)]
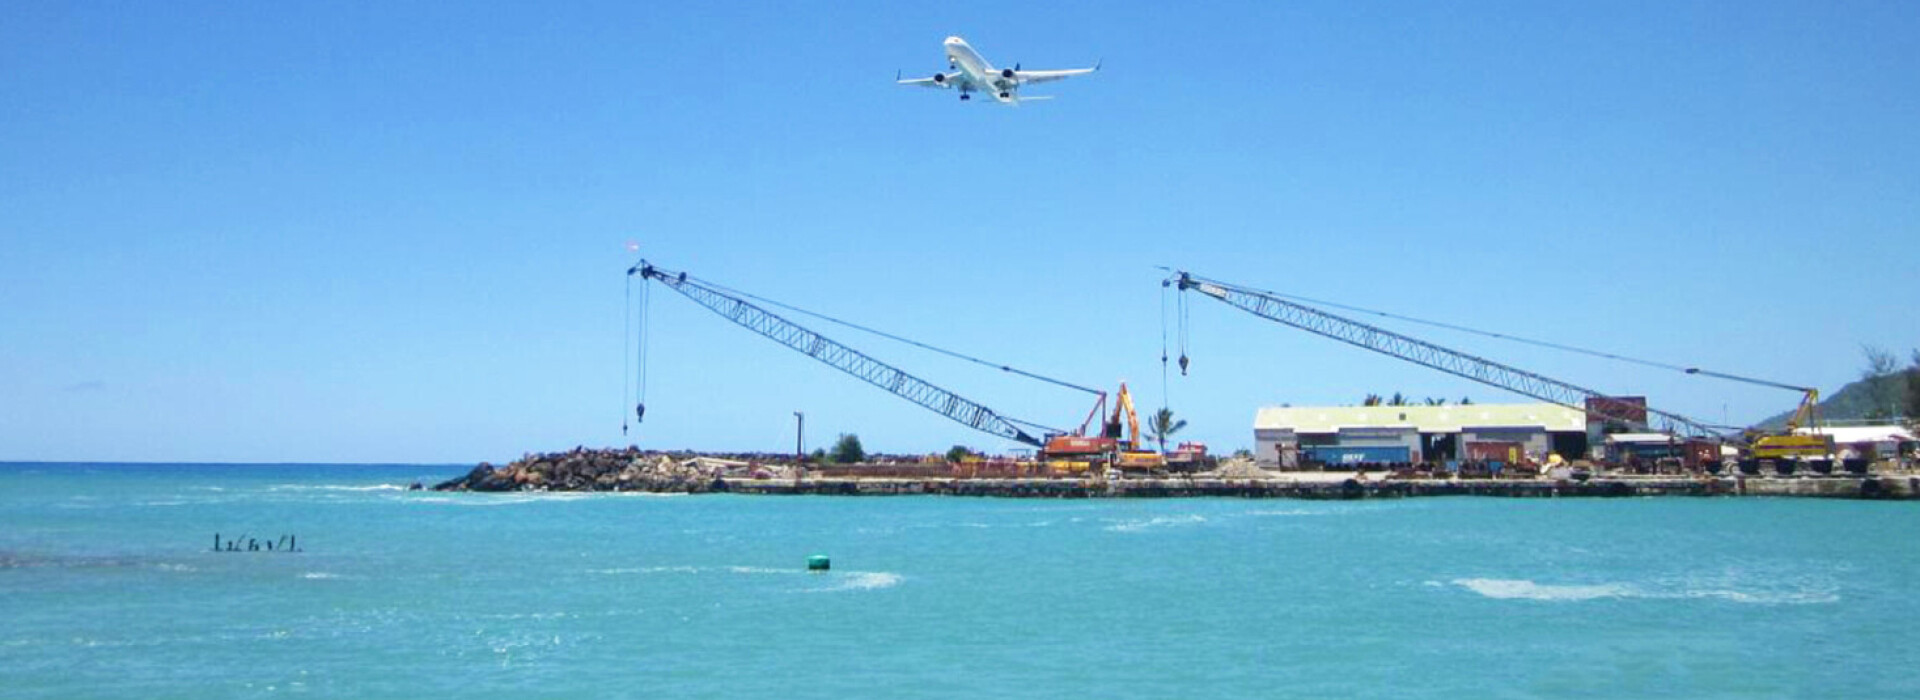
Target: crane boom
[(839, 356), (1450, 361)]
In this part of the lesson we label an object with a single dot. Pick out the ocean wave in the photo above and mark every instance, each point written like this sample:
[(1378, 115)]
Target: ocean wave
[(760, 570), (1158, 521), (647, 570), (1522, 589), (486, 500), (1808, 596), (683, 569), (518, 497), (319, 576), (836, 580), (337, 487), (1285, 512)]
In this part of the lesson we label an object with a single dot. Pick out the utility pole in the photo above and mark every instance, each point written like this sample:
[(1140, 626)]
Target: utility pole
[(799, 431)]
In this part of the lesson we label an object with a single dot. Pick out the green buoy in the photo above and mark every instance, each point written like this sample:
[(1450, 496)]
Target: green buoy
[(818, 562)]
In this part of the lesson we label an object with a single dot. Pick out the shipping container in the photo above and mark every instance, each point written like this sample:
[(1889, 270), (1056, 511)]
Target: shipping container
[(1702, 454), (1357, 455), (1076, 445), (1494, 451)]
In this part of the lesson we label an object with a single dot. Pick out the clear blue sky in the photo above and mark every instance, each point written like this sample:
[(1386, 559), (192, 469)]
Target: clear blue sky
[(396, 231)]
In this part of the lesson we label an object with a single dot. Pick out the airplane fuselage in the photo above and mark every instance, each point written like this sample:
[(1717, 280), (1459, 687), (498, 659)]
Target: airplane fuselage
[(980, 74)]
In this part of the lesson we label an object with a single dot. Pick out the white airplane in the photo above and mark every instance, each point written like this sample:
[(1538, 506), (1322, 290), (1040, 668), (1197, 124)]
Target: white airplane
[(971, 73)]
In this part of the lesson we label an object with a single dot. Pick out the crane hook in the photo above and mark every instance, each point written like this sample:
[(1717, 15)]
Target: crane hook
[(1183, 364), (640, 413)]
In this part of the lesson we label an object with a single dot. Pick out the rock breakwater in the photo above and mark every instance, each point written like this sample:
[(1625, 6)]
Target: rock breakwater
[(581, 469)]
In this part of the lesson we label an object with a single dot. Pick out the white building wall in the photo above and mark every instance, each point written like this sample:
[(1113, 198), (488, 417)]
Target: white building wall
[(1275, 449)]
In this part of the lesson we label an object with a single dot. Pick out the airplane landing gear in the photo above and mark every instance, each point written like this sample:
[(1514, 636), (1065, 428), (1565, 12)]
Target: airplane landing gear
[(965, 96)]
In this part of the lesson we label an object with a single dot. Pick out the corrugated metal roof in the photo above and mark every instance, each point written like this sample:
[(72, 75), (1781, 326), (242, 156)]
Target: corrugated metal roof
[(1426, 419)]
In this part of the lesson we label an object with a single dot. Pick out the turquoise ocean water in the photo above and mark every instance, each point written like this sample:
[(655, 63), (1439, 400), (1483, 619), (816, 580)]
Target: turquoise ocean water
[(109, 588)]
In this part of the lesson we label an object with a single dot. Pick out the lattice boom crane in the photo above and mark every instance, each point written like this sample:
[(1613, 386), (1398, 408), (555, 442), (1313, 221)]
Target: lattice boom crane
[(840, 357), (1450, 361)]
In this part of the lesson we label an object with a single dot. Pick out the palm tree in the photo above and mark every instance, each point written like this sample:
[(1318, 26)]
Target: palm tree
[(1371, 400), (1163, 426)]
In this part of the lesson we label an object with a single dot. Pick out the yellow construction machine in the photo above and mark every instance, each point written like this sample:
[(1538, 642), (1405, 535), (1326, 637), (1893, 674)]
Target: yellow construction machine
[(1790, 443), (1131, 456)]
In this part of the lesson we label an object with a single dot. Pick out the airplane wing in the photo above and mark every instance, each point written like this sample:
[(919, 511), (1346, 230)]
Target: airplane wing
[(943, 80), (1046, 76)]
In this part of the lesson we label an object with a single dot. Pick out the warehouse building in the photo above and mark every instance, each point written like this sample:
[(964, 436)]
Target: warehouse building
[(1346, 436)]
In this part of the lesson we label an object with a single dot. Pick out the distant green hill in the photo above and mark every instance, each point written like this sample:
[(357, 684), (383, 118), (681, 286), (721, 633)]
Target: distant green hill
[(1849, 403)]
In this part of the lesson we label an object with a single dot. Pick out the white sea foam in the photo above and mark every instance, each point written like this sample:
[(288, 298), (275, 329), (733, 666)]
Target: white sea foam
[(835, 581), (1285, 512), (669, 570), (519, 497), (489, 500), (337, 487), (860, 581), (1809, 596), (319, 575), (1522, 589), (760, 570), (691, 570), (1158, 521)]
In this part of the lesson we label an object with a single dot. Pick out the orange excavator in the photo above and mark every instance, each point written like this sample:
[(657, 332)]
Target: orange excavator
[(1117, 446)]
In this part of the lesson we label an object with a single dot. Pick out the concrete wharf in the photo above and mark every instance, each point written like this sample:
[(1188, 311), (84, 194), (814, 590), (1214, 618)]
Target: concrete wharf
[(1887, 487)]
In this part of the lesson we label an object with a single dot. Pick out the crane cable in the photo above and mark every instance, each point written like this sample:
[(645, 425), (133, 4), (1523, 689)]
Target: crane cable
[(626, 348), (633, 380), (890, 336), (640, 389), (1183, 334), (1164, 390)]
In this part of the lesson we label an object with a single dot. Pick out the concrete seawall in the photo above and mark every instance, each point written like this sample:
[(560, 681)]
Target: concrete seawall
[(1896, 487)]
